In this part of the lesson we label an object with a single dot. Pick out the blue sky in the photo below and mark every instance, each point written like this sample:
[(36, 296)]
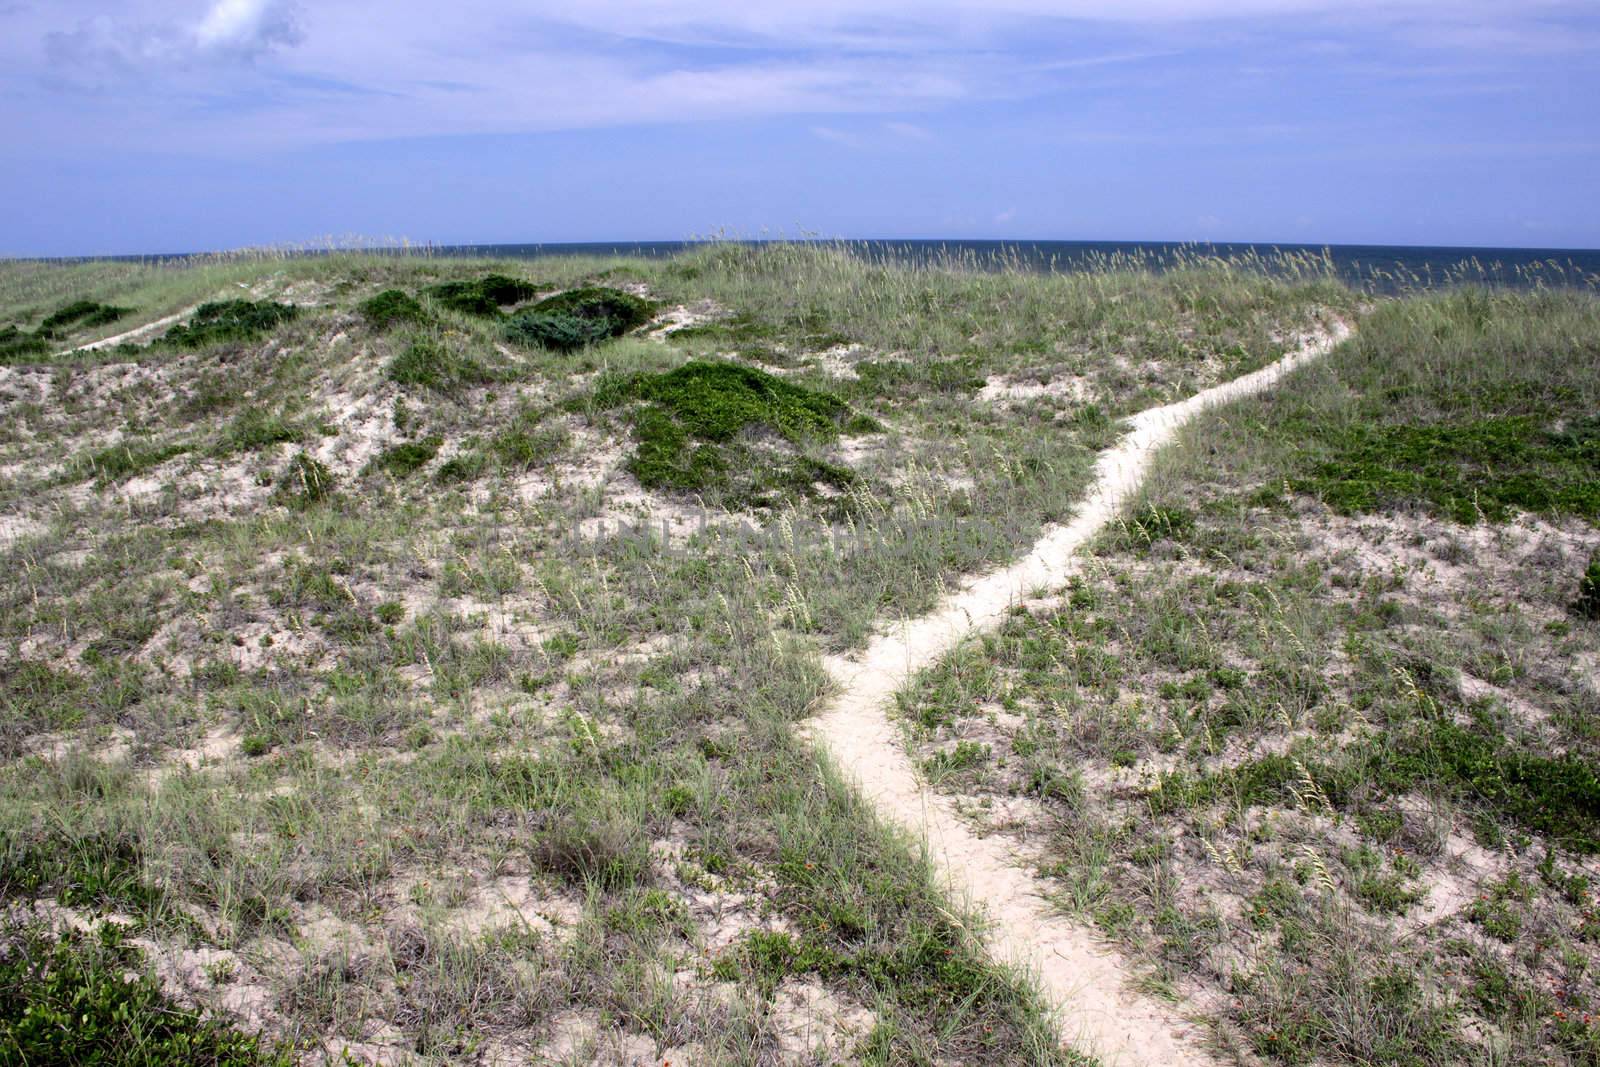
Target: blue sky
[(143, 126)]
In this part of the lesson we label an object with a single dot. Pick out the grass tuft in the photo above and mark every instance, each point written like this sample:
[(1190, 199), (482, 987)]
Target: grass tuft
[(432, 365), (1588, 603), (305, 482), (404, 460)]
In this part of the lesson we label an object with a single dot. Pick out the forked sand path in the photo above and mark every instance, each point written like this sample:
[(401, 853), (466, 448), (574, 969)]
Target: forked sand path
[(1086, 983)]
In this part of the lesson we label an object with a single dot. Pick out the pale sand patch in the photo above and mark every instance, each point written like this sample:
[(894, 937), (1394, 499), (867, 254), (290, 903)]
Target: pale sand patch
[(1087, 983), (684, 316), (1005, 389), (816, 1026)]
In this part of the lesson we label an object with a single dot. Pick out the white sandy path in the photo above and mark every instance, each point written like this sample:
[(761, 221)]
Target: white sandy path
[(1086, 983), (133, 334)]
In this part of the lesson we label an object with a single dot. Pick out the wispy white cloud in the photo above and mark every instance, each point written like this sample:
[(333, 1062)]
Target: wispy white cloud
[(340, 70)]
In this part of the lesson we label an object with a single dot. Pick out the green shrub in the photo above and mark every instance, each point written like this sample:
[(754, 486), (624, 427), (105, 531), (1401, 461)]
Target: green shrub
[(389, 307), (230, 321), (305, 482), (579, 317), (462, 467), (689, 426), (125, 460), (402, 460), (1474, 469), (484, 297), (81, 315), (16, 345), (1588, 603), (257, 429), (85, 999)]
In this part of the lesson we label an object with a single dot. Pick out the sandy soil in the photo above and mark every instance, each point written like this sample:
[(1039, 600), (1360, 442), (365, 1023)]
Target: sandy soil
[(1087, 983)]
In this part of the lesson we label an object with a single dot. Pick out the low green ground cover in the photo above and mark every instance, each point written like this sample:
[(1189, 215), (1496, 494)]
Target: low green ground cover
[(693, 421)]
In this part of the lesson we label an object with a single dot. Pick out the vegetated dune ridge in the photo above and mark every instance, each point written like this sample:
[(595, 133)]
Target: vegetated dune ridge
[(1085, 982), (353, 679)]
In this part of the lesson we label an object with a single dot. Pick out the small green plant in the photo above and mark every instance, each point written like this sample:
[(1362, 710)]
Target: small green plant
[(255, 745), (306, 481), (1587, 605), (256, 429), (578, 318), (390, 612), (230, 321), (403, 460), (80, 315), (484, 297), (462, 467), (126, 460), (391, 307)]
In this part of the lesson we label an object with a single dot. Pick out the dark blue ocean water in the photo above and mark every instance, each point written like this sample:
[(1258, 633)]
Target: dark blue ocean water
[(1379, 268)]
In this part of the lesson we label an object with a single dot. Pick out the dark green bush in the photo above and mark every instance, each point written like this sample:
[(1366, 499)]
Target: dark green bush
[(389, 307), (485, 297), (230, 321), (81, 315), (579, 317)]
